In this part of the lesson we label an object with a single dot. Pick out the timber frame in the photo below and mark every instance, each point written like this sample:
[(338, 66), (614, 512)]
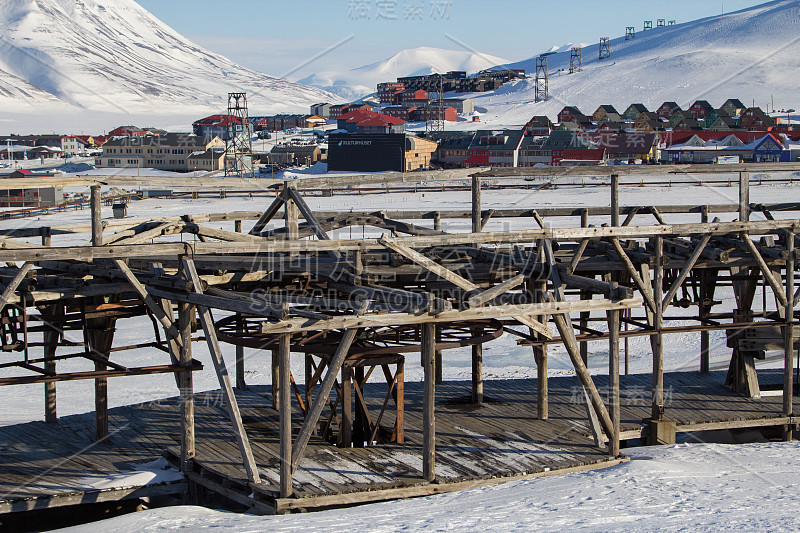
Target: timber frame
[(352, 306)]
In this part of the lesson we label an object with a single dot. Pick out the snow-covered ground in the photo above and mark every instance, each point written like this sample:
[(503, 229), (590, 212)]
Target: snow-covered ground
[(687, 487)]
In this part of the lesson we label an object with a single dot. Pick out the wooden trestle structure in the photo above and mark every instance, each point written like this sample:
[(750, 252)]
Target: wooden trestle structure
[(355, 308)]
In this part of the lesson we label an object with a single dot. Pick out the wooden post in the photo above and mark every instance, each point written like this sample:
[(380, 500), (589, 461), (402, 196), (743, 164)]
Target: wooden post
[(185, 313), (536, 290), (615, 200), (100, 337), (657, 340), (47, 236), (788, 335), (52, 315), (346, 427), (437, 365), (584, 321), (477, 370), (97, 222), (240, 382), (476, 204), (285, 416), (237, 226), (613, 380), (231, 405), (744, 196), (428, 415), (290, 215), (276, 386), (437, 221)]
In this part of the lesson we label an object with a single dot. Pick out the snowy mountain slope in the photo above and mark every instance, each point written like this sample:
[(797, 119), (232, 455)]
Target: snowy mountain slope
[(117, 57), (412, 62), (753, 54)]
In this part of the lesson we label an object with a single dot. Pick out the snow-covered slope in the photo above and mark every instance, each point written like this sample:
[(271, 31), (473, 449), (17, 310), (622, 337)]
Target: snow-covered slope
[(116, 57), (697, 487), (412, 62), (753, 54)]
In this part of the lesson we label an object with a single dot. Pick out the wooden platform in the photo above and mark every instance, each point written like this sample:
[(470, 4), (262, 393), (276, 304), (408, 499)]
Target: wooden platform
[(47, 465)]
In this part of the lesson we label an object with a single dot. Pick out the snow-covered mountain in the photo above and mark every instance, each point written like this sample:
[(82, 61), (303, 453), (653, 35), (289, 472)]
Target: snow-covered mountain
[(753, 55), (412, 62), (114, 56)]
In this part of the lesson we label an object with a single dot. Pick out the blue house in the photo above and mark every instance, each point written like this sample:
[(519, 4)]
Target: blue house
[(770, 150)]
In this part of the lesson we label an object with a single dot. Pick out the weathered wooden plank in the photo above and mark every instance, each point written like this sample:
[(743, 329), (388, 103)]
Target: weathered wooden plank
[(223, 377)]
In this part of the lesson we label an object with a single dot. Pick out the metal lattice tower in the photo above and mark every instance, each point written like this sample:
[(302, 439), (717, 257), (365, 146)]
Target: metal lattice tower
[(630, 33), (542, 82), (648, 25), (576, 60), (435, 118), (661, 23), (239, 145), (671, 23), (605, 48)]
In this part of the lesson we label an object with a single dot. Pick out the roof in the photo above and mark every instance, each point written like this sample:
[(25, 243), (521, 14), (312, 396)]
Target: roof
[(513, 139), (218, 120), (561, 140), (382, 120), (584, 154), (671, 105), (641, 108), (735, 102), (295, 149), (211, 153), (623, 143), (170, 139)]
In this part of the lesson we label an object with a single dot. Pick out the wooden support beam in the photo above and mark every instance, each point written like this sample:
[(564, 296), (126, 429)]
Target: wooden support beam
[(615, 200), (476, 204), (318, 405), (158, 312), (776, 287), (536, 290), (646, 292), (231, 405), (564, 326), (284, 348), (687, 267), (11, 288), (185, 312), (657, 339), (576, 259), (453, 278), (744, 196), (488, 295), (428, 402), (788, 335), (241, 383), (311, 220), (271, 211), (52, 316), (613, 381), (144, 236), (498, 311), (428, 264), (477, 370), (97, 222), (486, 218)]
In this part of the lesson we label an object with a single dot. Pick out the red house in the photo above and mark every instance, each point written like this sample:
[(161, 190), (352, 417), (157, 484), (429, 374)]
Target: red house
[(572, 114), (700, 110), (668, 109), (754, 119)]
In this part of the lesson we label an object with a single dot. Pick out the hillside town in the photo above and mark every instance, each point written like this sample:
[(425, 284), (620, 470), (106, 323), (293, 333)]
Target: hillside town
[(394, 134)]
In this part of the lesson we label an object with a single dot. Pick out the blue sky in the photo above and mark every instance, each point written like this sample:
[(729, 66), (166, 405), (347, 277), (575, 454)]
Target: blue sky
[(278, 36)]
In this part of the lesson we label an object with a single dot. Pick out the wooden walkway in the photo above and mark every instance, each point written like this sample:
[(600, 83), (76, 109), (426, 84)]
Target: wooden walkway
[(46, 465)]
